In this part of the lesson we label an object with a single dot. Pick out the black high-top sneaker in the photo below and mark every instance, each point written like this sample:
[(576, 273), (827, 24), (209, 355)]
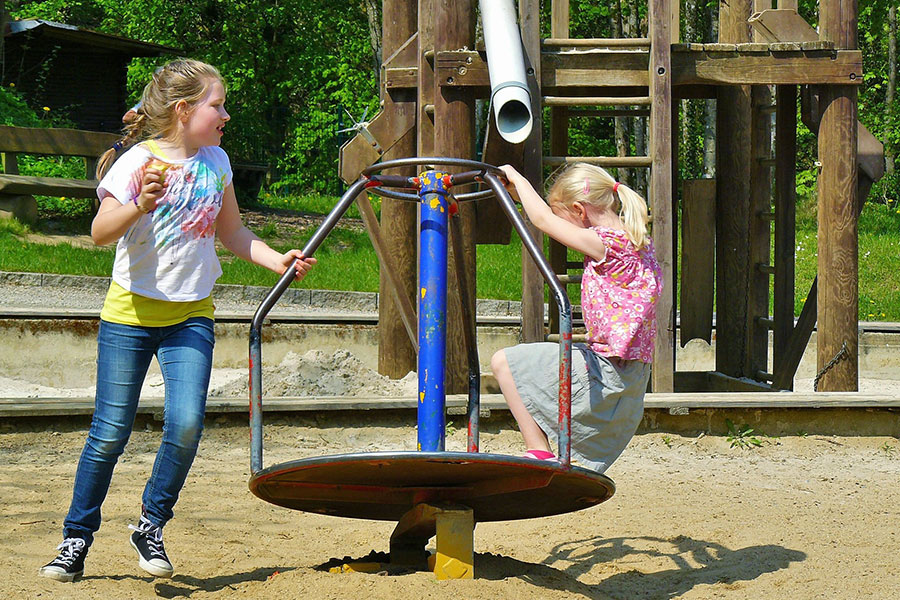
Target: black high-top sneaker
[(147, 540), (69, 565)]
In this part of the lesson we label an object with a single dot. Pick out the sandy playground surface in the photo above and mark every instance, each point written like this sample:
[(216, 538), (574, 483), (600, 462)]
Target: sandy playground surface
[(798, 517)]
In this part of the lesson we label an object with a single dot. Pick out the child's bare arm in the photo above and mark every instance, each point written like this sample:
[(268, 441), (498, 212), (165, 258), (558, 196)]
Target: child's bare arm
[(563, 231), (245, 244)]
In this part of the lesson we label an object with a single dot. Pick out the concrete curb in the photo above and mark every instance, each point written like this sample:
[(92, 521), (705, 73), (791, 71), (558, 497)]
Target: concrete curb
[(319, 300)]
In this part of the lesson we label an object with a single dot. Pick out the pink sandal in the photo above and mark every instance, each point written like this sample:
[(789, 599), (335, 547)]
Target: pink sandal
[(539, 455)]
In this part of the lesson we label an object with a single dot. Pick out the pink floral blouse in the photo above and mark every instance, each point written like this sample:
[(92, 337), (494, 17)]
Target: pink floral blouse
[(618, 298)]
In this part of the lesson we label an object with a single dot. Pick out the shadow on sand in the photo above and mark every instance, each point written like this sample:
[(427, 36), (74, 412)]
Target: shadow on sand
[(693, 562), (183, 586)]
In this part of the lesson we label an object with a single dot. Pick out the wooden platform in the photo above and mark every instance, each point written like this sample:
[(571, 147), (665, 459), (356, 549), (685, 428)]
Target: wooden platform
[(769, 413), (693, 65)]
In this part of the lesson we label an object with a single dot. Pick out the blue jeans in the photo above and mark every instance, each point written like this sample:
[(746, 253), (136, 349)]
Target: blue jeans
[(184, 352)]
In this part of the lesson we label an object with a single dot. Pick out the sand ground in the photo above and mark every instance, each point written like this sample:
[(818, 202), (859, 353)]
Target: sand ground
[(798, 517)]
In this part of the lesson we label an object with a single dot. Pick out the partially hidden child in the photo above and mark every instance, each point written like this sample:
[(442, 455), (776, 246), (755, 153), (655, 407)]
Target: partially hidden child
[(606, 221)]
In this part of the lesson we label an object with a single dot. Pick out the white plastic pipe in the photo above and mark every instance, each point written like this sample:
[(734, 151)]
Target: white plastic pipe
[(510, 96)]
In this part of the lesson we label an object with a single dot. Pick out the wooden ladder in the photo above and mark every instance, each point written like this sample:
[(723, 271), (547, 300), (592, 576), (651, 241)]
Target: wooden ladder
[(657, 105)]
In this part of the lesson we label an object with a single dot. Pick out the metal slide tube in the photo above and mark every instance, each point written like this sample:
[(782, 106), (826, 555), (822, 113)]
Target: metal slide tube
[(510, 95), (256, 436), (565, 317)]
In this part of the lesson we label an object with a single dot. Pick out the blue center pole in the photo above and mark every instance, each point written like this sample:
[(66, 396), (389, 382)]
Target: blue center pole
[(432, 310)]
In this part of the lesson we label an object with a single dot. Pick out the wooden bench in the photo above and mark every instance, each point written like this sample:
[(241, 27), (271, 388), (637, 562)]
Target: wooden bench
[(17, 191)]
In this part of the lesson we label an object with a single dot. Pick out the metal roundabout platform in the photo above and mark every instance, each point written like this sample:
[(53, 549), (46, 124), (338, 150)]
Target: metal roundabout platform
[(431, 492)]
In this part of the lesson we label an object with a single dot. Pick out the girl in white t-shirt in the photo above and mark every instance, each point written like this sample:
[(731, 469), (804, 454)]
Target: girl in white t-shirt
[(164, 200)]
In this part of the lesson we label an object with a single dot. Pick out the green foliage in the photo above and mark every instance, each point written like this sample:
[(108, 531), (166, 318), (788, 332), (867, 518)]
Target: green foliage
[(15, 111), (289, 67), (741, 437)]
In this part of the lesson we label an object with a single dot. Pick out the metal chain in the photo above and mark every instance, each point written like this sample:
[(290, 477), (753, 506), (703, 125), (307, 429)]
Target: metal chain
[(842, 354)]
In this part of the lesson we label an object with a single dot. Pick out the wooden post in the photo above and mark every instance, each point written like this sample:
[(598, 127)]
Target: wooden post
[(662, 374), (559, 143), (425, 79), (732, 203), (396, 354), (532, 282), (838, 294), (785, 235), (698, 242), (454, 111), (760, 232)]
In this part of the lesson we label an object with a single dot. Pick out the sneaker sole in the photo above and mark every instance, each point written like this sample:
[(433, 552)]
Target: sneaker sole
[(150, 567), (59, 575)]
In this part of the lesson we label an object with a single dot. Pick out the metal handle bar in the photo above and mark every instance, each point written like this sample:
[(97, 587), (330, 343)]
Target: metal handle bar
[(491, 175), (430, 160)]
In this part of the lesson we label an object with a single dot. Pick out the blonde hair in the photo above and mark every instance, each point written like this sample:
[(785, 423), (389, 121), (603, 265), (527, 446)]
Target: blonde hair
[(590, 184), (183, 79)]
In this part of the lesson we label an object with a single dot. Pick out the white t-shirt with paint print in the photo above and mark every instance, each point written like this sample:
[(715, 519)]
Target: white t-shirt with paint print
[(170, 254)]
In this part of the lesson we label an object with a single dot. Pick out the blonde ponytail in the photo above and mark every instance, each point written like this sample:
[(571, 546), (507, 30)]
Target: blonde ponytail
[(131, 135), (594, 185), (634, 215)]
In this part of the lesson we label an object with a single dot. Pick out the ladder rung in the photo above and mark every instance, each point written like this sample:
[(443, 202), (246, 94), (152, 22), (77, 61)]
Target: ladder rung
[(568, 279), (767, 269), (602, 161), (613, 112), (766, 322), (596, 101), (767, 109), (571, 264), (579, 338), (766, 215), (598, 42), (767, 162)]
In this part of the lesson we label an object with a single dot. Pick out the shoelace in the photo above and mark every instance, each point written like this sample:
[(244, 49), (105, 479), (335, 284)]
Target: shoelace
[(68, 550), (153, 533)]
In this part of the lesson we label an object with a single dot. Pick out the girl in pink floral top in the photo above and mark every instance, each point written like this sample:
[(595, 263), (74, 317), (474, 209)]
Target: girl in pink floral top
[(607, 222)]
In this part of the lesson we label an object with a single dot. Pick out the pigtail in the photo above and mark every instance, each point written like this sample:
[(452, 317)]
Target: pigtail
[(634, 214), (131, 135)]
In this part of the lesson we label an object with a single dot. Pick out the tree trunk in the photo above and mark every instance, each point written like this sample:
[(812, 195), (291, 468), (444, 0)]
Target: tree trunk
[(373, 14), (709, 129), (640, 123), (3, 20), (892, 77)]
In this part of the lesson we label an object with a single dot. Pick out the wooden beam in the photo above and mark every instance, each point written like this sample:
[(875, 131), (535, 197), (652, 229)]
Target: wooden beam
[(777, 64), (698, 235), (733, 158), (782, 25), (532, 282), (454, 136), (661, 190), (838, 294), (56, 141), (559, 142), (756, 359), (785, 234), (397, 327)]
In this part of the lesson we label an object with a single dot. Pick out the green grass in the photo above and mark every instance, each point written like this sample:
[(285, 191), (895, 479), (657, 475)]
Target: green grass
[(347, 260)]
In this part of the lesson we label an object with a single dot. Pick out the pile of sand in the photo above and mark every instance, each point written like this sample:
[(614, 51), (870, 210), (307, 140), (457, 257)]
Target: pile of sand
[(318, 373)]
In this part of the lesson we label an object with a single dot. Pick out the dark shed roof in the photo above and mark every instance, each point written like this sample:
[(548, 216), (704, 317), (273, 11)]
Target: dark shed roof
[(78, 72), (86, 37)]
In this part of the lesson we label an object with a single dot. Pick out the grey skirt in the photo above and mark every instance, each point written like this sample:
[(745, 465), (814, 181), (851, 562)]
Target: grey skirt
[(607, 401)]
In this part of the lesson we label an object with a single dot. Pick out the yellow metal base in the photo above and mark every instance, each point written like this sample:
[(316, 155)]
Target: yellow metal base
[(454, 529)]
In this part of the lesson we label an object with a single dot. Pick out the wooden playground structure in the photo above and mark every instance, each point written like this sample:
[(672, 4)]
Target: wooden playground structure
[(766, 58)]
